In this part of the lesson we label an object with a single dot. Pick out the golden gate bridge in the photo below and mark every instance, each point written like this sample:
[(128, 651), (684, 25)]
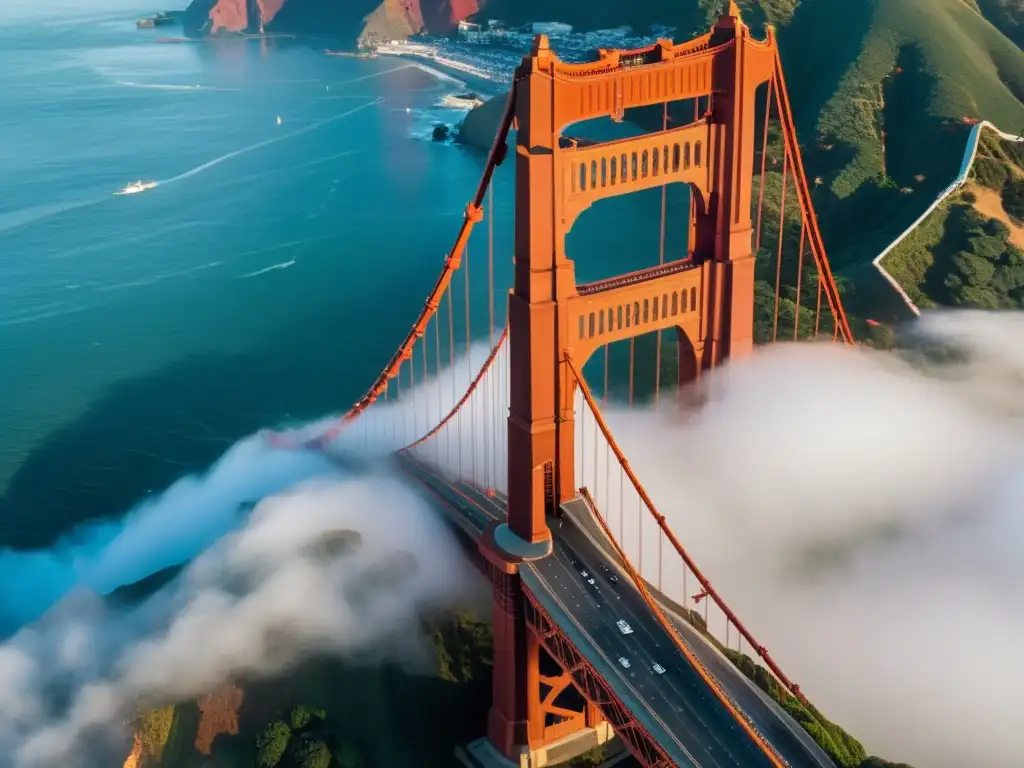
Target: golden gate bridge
[(515, 448)]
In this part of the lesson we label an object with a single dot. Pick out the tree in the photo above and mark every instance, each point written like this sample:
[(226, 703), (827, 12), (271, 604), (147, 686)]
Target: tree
[(272, 743), (309, 752), (301, 716)]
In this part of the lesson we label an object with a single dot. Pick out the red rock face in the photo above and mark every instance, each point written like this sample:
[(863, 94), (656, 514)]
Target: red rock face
[(429, 15), (269, 9), (463, 9), (229, 15)]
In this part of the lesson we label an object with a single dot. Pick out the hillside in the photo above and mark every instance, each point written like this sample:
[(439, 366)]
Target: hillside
[(970, 251), (879, 89), (327, 713)]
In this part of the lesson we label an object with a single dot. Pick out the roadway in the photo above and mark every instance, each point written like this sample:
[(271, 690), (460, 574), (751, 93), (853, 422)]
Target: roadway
[(676, 706)]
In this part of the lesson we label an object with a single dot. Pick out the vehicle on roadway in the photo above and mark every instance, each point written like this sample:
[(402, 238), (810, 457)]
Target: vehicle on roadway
[(608, 572), (658, 669), (624, 662), (624, 627)]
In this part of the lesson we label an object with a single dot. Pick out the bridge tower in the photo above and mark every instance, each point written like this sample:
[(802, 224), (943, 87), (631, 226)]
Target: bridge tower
[(708, 297)]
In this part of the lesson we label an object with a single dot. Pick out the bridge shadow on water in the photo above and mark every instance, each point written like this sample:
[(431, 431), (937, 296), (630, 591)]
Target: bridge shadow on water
[(144, 433)]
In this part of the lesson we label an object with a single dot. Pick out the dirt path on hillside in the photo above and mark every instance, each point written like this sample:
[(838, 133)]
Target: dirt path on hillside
[(990, 205)]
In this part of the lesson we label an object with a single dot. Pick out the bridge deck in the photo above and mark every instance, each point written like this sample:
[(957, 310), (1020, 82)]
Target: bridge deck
[(676, 707)]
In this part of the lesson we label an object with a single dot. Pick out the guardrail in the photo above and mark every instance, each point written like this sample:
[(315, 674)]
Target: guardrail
[(970, 152)]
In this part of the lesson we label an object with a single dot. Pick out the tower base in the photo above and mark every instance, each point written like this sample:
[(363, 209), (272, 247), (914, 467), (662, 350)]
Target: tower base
[(482, 753)]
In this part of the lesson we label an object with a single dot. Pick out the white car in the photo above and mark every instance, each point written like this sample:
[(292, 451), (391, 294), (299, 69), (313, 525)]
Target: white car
[(658, 669), (592, 582), (584, 574), (624, 662), (624, 628)]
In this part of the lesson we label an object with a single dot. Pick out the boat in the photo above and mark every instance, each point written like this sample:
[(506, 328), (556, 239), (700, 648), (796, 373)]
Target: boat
[(279, 121), (462, 101), (136, 186)]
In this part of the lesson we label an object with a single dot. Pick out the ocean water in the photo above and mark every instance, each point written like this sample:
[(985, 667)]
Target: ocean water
[(265, 280)]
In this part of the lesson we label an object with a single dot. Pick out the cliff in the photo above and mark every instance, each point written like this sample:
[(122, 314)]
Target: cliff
[(347, 20)]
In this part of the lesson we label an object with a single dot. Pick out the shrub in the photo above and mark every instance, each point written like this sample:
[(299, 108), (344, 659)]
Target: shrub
[(272, 743)]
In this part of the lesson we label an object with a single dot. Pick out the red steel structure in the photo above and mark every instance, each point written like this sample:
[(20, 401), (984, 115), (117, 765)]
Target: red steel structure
[(706, 299)]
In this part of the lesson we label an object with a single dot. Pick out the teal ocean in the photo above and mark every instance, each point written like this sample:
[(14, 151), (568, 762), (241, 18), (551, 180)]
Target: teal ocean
[(264, 281)]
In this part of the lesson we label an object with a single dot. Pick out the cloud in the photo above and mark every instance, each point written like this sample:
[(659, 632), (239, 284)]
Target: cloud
[(861, 512), (332, 566)]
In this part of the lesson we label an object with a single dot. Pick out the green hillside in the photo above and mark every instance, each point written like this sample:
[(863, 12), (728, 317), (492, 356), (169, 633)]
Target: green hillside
[(970, 251), (879, 90)]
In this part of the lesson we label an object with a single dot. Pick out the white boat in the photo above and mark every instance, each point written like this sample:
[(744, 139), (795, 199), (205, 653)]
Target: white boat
[(279, 121), (462, 101), (136, 186)]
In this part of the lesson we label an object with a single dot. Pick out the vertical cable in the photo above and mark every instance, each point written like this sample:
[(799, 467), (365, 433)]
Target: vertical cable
[(597, 439), (426, 374), (412, 390), (607, 347), (451, 362), (632, 357), (607, 479), (686, 597), (817, 309), (437, 377), (488, 411), (661, 260), (661, 547), (469, 372), (764, 164), (622, 507), (640, 534), (799, 279), (782, 230)]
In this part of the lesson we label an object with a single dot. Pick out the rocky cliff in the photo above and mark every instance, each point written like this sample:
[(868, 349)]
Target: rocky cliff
[(347, 20)]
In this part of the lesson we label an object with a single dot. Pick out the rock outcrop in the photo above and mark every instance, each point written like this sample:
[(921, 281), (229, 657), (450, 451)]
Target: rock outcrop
[(344, 19)]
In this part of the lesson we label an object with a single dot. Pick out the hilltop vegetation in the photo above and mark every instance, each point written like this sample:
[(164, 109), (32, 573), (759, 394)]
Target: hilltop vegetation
[(328, 714), (970, 251)]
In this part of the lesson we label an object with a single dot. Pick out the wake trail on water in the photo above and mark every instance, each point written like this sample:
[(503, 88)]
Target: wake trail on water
[(265, 143), (170, 87), (271, 268)]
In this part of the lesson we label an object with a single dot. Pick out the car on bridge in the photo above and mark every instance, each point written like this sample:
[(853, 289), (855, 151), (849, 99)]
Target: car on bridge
[(609, 574), (624, 627), (624, 662), (658, 669)]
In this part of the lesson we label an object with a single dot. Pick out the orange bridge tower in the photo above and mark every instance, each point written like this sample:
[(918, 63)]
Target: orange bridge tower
[(707, 297)]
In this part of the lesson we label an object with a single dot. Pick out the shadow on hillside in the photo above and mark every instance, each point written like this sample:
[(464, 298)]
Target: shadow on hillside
[(954, 240), (342, 19), (919, 150), (818, 47)]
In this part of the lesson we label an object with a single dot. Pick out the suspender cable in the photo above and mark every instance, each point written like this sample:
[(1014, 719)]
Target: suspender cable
[(661, 260), (782, 239), (437, 377), (799, 279), (607, 347), (764, 164), (469, 372), (451, 370)]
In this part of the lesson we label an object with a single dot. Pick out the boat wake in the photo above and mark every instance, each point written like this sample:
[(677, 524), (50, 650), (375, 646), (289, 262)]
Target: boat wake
[(170, 87), (267, 142), (271, 268)]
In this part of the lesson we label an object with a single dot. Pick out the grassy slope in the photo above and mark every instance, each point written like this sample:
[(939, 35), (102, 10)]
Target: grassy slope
[(952, 63), (923, 262)]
